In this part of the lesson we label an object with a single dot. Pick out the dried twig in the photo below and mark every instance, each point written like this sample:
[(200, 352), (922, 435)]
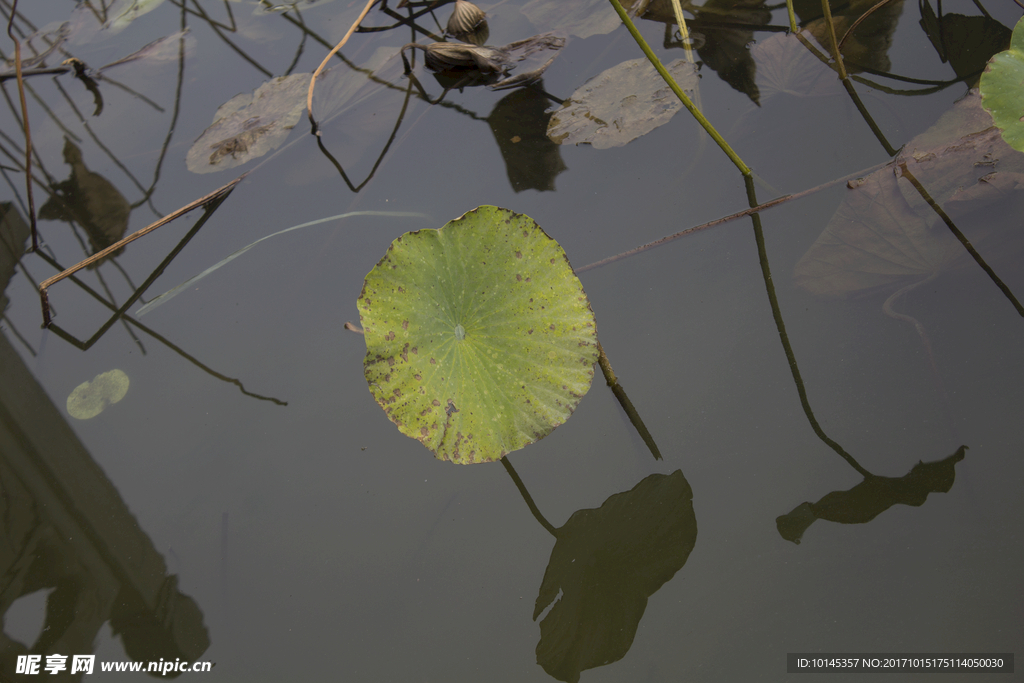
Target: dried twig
[(100, 255), (24, 118), (312, 81), (725, 219)]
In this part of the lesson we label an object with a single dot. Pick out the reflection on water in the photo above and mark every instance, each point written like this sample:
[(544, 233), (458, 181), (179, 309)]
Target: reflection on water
[(66, 530), (90, 200), (605, 564), (327, 505), (872, 497)]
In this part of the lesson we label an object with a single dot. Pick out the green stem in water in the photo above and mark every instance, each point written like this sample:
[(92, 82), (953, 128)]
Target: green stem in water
[(627, 405), (780, 325), (832, 39), (792, 17), (744, 169)]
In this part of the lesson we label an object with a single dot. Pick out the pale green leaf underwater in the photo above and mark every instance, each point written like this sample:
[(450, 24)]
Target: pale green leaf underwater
[(480, 338)]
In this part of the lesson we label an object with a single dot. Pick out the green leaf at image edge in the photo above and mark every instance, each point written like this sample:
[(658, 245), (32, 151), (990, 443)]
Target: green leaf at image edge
[(479, 337), (1002, 89)]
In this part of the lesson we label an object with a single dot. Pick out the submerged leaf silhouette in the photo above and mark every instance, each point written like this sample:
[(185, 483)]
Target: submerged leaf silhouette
[(606, 563), (123, 12), (620, 104), (581, 18), (160, 50), (785, 65), (885, 231), (249, 125)]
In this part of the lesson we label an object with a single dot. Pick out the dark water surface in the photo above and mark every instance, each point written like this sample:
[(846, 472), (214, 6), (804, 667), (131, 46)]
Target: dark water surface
[(315, 542)]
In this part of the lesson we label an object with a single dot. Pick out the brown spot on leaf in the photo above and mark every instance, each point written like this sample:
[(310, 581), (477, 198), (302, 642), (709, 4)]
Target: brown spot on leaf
[(519, 254), (405, 324), (433, 362), (436, 402), (519, 278), (424, 431), (418, 377), (529, 332)]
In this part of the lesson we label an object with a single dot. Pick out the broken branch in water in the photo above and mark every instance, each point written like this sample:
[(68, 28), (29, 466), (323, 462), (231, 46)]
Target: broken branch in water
[(341, 43), (100, 255), (718, 221)]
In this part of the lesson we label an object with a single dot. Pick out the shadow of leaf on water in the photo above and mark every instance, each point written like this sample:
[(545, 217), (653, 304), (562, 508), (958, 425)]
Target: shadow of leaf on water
[(605, 564)]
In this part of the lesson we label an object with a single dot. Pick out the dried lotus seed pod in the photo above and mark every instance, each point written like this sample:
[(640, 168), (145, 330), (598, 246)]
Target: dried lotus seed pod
[(465, 18)]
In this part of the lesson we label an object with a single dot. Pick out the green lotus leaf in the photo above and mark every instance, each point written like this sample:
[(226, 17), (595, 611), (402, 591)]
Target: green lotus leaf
[(89, 399), (1002, 89), (479, 336)]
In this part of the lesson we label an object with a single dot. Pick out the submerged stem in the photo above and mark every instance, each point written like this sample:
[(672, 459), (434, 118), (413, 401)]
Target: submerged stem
[(833, 42)]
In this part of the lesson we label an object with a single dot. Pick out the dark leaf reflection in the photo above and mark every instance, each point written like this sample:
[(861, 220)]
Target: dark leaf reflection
[(605, 564), (520, 123), (872, 497), (66, 528)]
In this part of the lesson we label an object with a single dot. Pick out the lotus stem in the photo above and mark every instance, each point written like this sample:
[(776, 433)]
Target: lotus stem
[(660, 68), (832, 39), (627, 405)]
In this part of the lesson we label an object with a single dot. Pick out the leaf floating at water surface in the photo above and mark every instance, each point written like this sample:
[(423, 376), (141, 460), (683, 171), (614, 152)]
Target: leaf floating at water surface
[(89, 399), (621, 104), (249, 125), (479, 337), (1002, 89)]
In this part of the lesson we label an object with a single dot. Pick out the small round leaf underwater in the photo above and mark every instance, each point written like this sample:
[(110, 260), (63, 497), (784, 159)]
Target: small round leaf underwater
[(479, 337)]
